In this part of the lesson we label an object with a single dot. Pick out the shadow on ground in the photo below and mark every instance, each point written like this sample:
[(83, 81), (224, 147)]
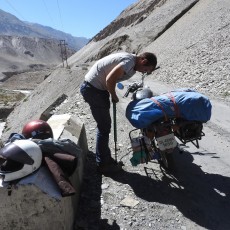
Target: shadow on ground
[(199, 196), (89, 211)]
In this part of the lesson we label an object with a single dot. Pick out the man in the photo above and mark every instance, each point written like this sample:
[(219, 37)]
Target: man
[(99, 85)]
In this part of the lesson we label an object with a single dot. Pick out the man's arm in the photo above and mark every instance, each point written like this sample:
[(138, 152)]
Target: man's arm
[(111, 80)]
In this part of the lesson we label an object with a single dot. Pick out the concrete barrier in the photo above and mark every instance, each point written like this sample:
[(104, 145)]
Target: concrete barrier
[(28, 207)]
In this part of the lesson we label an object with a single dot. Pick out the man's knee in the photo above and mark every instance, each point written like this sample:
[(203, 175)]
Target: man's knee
[(104, 130)]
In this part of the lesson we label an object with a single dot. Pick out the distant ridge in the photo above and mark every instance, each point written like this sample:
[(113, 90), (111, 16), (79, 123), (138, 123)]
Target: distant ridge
[(12, 26)]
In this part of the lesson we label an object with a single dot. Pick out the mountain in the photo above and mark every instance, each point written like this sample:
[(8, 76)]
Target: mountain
[(12, 26), (75, 43), (28, 46), (19, 54)]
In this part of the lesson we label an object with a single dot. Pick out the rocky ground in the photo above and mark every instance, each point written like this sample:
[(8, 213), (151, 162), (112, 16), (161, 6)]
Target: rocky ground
[(141, 197), (26, 80), (16, 86)]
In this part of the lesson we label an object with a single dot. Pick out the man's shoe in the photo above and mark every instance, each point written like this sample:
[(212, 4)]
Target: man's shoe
[(109, 167)]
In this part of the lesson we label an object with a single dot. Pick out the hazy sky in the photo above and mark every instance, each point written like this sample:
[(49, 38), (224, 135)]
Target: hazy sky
[(83, 18)]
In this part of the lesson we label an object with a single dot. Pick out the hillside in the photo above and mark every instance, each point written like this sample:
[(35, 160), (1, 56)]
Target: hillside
[(18, 54)]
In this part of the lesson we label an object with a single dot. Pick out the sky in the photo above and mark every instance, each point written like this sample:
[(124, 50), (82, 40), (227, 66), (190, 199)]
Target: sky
[(83, 18)]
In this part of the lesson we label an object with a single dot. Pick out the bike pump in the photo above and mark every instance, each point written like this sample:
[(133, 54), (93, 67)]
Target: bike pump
[(115, 129)]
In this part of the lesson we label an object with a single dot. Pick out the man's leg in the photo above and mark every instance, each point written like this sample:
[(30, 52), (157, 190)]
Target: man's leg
[(103, 120), (99, 103)]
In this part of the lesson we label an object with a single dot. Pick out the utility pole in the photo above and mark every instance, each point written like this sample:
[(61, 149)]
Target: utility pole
[(63, 45)]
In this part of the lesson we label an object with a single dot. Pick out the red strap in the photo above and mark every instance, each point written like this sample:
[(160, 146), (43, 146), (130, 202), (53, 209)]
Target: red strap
[(158, 103), (176, 108)]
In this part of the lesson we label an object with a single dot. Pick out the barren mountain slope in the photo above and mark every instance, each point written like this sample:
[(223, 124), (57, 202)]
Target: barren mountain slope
[(24, 53), (12, 26)]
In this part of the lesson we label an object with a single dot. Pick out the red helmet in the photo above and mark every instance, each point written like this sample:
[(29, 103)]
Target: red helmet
[(37, 129)]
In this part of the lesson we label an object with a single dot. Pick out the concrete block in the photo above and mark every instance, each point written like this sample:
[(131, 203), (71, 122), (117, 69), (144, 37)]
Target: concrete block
[(57, 123), (28, 207)]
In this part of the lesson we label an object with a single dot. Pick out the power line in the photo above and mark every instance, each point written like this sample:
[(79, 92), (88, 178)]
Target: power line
[(59, 12), (48, 12), (60, 15), (15, 10)]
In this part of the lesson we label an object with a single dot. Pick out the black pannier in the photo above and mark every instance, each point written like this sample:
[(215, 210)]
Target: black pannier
[(190, 131)]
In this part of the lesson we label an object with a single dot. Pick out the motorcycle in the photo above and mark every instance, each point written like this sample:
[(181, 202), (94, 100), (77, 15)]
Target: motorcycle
[(159, 141)]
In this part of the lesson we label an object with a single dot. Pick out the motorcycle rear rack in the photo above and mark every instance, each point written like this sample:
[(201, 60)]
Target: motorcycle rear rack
[(133, 130), (189, 131), (194, 141), (138, 136)]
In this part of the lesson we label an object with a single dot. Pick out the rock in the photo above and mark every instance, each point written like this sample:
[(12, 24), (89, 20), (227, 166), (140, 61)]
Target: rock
[(129, 202), (104, 186)]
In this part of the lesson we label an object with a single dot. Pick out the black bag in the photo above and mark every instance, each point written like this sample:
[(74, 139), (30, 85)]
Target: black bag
[(190, 131), (51, 146), (64, 152)]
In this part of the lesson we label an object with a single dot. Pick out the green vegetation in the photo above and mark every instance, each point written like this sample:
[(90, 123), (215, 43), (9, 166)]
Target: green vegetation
[(9, 97)]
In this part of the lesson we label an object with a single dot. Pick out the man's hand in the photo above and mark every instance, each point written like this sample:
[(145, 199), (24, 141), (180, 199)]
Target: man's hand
[(115, 99), (111, 80)]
